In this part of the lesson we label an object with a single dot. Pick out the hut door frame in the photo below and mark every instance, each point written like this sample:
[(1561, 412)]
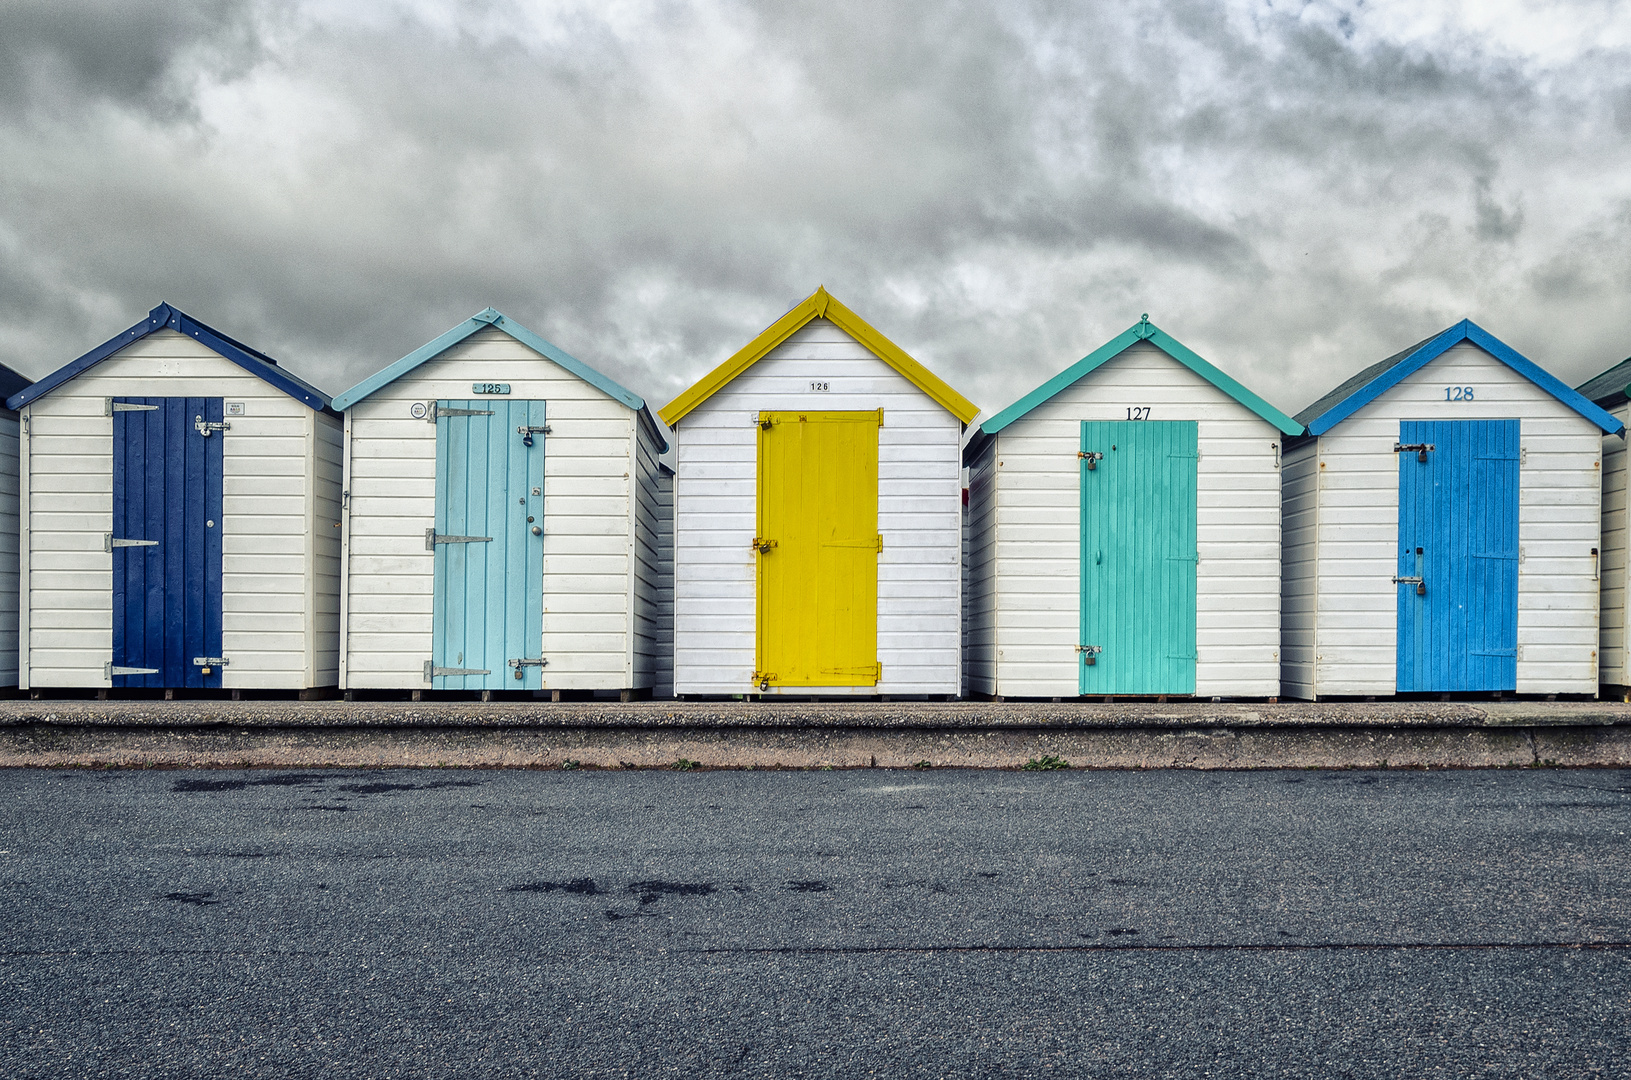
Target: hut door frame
[(1138, 552), (817, 549), (1457, 576), (487, 623), (168, 478)]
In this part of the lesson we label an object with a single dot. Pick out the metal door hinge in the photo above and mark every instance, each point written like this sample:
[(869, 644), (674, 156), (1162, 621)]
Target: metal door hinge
[(526, 662), (109, 671), (450, 411), (432, 538), (109, 542), (434, 672), (1420, 449), (204, 427), (124, 406)]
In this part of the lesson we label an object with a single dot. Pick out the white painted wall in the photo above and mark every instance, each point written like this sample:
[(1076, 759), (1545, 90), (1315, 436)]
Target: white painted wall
[(1038, 527), (9, 428), (919, 516), (270, 603), (1613, 643), (591, 479), (1559, 522)]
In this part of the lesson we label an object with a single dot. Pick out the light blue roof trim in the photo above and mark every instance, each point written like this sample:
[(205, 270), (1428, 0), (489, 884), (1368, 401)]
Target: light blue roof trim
[(475, 323), (1143, 330), (1465, 330)]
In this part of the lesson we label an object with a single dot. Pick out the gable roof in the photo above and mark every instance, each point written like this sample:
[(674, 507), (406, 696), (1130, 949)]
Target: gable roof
[(1143, 330), (481, 321), (1608, 389), (166, 317), (1368, 385), (12, 381), (820, 305)]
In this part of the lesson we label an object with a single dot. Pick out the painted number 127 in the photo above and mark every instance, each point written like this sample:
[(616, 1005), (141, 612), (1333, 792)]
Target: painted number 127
[(1138, 412), (1458, 393)]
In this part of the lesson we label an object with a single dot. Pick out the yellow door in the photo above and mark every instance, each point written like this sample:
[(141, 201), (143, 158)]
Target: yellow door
[(817, 549)]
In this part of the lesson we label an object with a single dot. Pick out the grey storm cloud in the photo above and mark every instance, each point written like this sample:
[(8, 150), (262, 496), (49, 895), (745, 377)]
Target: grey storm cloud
[(1293, 190)]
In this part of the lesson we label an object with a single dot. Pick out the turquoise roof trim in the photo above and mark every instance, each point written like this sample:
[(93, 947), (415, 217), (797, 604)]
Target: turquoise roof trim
[(1143, 330), (480, 322), (1373, 382)]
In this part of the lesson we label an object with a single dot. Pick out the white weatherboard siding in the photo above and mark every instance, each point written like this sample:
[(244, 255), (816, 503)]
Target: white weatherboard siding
[(590, 495), (645, 522), (982, 582), (1299, 524), (1038, 529), (1559, 522), (919, 516), (9, 428), (663, 686), (1613, 645), (267, 593), (323, 585)]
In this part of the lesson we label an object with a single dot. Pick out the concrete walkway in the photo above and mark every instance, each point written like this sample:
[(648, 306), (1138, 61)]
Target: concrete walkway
[(1231, 735)]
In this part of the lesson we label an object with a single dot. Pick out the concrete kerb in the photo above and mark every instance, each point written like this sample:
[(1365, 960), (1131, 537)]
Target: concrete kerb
[(1195, 747)]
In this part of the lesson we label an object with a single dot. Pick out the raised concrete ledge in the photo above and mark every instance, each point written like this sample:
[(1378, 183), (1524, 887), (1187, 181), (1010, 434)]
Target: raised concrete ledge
[(55, 745), (900, 716)]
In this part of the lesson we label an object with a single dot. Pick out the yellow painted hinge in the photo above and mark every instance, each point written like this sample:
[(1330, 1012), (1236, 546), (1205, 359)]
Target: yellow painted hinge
[(880, 541), (880, 418)]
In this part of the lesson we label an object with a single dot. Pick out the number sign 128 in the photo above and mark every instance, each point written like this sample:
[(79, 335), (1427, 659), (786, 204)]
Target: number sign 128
[(1458, 393)]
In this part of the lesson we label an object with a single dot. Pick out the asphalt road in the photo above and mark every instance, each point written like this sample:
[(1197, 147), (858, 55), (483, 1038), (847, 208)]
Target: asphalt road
[(871, 922)]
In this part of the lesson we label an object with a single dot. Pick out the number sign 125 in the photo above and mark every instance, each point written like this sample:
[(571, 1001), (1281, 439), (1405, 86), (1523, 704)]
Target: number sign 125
[(1458, 393)]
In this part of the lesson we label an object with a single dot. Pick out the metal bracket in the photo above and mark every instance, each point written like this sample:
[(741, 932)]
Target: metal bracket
[(109, 542), (1419, 448), (109, 671), (125, 406), (434, 672), (204, 427), (432, 539)]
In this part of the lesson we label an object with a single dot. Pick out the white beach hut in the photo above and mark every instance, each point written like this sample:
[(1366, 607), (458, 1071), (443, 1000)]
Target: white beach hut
[(1125, 531), (1608, 392), (501, 523), (1442, 528), (179, 503), (817, 516)]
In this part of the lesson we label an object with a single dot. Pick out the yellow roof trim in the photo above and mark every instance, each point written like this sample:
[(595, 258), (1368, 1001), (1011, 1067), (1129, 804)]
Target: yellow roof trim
[(819, 304)]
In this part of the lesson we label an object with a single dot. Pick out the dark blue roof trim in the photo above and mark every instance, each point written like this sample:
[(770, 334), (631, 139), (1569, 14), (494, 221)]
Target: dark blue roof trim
[(1414, 360), (166, 317)]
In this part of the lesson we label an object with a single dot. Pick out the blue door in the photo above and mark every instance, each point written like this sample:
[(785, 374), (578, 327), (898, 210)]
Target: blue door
[(488, 625), (1458, 555), (166, 542)]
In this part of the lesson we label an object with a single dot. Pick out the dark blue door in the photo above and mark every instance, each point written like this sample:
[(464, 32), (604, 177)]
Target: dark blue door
[(1458, 555), (166, 542)]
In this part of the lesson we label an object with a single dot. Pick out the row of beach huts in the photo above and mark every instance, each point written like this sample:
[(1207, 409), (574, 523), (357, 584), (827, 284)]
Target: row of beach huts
[(813, 518)]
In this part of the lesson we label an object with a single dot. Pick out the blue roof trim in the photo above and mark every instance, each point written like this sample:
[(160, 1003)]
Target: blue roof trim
[(166, 317), (493, 318), (1465, 330), (1143, 330)]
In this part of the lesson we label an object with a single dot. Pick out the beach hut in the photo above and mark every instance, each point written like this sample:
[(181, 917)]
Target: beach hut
[(817, 516), (179, 497), (1608, 392), (1125, 531), (10, 382), (1442, 528), (501, 521)]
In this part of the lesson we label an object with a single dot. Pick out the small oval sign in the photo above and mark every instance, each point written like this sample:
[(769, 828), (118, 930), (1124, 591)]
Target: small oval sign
[(490, 388)]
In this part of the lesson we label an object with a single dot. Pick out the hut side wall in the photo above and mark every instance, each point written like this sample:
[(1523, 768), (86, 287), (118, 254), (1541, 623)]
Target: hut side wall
[(1559, 522), (919, 515), (323, 584), (589, 493), (645, 522), (982, 581), (266, 621), (1612, 644), (9, 428), (1299, 569), (663, 684), (1038, 569)]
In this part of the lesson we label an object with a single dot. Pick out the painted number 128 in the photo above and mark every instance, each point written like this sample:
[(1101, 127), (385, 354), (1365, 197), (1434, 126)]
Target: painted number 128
[(1458, 393)]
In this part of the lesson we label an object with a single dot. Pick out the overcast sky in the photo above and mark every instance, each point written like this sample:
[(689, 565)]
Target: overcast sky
[(1294, 190)]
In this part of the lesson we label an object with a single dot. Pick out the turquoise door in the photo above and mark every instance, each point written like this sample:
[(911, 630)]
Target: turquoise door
[(1138, 557), (488, 626)]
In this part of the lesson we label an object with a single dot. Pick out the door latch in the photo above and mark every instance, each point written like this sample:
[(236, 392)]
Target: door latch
[(518, 665), (1090, 653), (204, 427), (1420, 448), (527, 433), (1421, 586), (1091, 457), (762, 545)]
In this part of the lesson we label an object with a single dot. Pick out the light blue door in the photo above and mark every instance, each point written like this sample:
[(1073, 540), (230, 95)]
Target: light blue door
[(1458, 556), (489, 605)]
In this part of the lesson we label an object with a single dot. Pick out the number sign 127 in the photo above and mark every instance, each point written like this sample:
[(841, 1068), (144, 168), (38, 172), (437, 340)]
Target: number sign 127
[(1458, 393), (1138, 412)]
